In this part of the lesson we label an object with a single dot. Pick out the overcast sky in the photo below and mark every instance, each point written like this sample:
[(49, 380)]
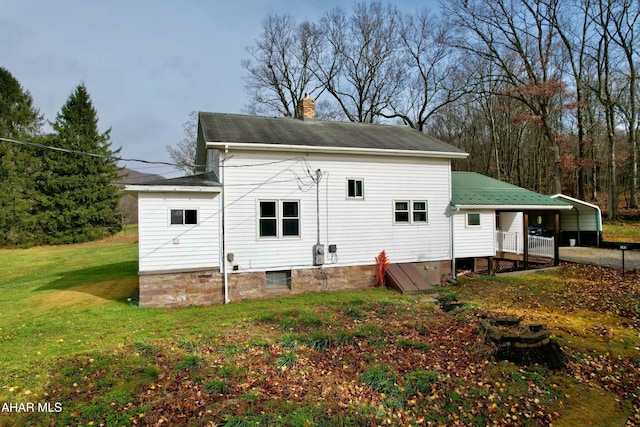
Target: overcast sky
[(146, 64)]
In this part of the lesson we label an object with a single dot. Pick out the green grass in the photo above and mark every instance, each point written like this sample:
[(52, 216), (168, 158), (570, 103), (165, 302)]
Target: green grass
[(71, 332), (621, 231)]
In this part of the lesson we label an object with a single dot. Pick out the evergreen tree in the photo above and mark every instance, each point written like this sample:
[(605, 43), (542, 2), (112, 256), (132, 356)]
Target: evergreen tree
[(79, 199), (19, 120)]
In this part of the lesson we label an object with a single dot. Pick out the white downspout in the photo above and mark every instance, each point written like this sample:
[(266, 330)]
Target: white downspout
[(222, 228)]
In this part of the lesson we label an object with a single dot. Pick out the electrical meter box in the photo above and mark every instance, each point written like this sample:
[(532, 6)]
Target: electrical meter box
[(318, 254)]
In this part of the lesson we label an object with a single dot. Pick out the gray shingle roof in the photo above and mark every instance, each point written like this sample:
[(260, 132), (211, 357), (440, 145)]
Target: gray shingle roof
[(208, 179), (235, 128)]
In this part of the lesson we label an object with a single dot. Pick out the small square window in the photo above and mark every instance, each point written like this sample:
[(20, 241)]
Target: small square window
[(184, 216), (473, 219), (355, 188)]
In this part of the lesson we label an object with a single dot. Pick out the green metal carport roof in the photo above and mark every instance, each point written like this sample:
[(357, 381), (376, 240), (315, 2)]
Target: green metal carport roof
[(472, 190)]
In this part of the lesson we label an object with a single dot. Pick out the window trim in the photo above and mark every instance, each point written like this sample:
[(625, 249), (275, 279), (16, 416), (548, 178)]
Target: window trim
[(183, 210), (414, 211), (411, 211), (468, 216), (260, 218), (355, 181), (279, 218)]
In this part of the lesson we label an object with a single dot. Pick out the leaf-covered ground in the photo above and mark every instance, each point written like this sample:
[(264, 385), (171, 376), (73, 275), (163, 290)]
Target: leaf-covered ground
[(369, 358)]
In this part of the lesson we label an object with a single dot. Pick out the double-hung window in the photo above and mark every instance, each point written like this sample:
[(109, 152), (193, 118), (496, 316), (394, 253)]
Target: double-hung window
[(410, 212), (278, 218), (184, 216)]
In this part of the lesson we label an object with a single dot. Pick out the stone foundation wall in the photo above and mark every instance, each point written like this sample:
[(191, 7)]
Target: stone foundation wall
[(206, 287), (181, 289)]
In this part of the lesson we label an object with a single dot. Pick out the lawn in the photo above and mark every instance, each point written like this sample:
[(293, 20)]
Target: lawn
[(621, 231), (76, 346)]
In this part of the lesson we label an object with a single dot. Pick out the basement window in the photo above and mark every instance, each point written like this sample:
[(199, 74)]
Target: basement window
[(184, 216), (276, 279)]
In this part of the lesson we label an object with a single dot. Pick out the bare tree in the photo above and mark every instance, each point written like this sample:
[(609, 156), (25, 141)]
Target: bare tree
[(600, 14), (517, 37), (431, 81), (625, 18), (184, 153), (279, 73), (357, 62), (573, 27)]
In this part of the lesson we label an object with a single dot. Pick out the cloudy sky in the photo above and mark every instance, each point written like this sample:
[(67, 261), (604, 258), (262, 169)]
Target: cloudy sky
[(146, 64)]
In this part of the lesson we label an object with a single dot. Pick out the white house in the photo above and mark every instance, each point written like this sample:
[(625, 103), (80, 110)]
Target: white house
[(286, 206)]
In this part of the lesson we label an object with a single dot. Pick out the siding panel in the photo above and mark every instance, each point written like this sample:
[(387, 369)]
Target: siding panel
[(360, 228), (166, 247), (475, 241)]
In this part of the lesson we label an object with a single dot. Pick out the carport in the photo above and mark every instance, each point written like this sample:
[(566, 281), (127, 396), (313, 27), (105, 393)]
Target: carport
[(581, 225)]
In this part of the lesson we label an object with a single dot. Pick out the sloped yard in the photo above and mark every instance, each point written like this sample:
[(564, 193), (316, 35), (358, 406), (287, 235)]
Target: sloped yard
[(371, 357)]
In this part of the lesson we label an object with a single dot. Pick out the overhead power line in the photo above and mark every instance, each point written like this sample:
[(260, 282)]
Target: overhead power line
[(150, 162), (84, 153)]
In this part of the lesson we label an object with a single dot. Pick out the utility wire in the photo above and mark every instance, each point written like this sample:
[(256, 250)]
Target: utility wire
[(151, 162), (83, 153)]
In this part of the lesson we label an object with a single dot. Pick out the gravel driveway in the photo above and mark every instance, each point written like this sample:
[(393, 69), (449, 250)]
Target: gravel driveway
[(602, 257)]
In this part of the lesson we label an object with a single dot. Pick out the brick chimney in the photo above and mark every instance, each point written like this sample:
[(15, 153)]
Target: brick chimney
[(307, 108)]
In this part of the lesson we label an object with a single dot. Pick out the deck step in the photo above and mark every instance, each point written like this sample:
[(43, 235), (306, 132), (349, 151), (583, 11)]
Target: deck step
[(404, 277)]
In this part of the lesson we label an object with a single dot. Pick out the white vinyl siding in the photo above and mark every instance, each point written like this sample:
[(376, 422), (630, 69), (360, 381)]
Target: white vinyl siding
[(474, 240), (164, 246), (360, 230)]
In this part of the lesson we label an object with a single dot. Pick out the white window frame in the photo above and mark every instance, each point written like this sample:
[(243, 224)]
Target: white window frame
[(279, 219), (468, 216), (183, 223), (260, 218), (411, 211), (355, 196)]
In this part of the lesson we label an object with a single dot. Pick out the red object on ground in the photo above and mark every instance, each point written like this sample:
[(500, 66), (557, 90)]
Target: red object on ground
[(381, 268)]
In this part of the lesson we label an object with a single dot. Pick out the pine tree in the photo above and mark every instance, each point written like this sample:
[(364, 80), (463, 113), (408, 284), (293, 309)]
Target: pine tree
[(79, 199), (19, 120)]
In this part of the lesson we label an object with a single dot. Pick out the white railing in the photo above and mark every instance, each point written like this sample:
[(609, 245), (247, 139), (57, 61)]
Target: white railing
[(509, 242), (541, 246), (514, 243)]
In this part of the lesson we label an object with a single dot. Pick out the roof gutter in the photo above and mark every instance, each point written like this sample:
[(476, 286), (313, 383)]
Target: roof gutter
[(172, 189), (337, 150), (515, 207)]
